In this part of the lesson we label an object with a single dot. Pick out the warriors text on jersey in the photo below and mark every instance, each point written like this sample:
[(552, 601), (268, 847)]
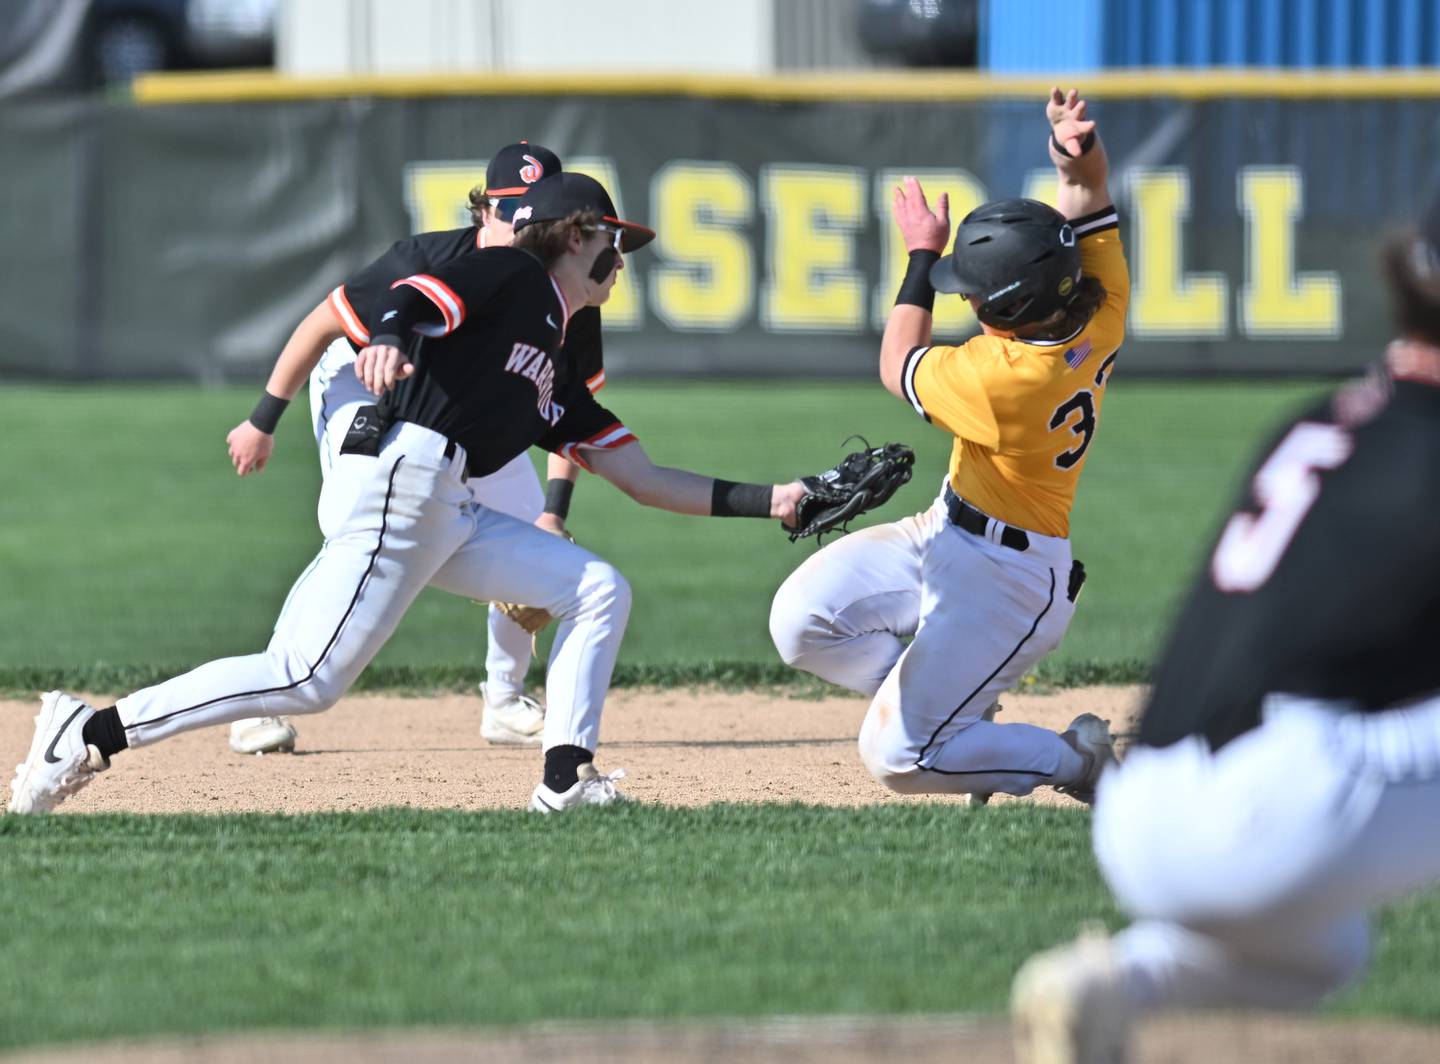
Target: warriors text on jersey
[(355, 301), (1024, 412), (1326, 581), (486, 335)]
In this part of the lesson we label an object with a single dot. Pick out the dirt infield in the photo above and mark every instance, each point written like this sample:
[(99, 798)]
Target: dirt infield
[(677, 746)]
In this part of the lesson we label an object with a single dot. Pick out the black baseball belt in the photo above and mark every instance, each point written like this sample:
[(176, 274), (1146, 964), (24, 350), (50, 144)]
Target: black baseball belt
[(368, 428), (974, 521), (966, 517)]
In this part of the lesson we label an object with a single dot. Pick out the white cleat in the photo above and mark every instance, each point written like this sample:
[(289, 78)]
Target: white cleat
[(1067, 1006), (1090, 737), (592, 788), (60, 762), (263, 735), (518, 722)]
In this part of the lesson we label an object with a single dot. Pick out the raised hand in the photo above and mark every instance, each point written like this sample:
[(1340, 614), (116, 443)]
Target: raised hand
[(921, 228), (1068, 124)]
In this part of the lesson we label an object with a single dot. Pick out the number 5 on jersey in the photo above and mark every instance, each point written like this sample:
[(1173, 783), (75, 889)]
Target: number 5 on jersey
[(1286, 486)]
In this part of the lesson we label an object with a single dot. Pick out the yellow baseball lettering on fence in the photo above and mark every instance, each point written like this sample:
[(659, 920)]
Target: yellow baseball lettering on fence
[(625, 308), (953, 317), (703, 215), (1165, 300), (1275, 300), (704, 276), (437, 193), (813, 216)]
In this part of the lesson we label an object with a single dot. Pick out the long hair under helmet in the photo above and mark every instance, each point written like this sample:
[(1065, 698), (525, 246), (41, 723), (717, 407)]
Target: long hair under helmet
[(1018, 256)]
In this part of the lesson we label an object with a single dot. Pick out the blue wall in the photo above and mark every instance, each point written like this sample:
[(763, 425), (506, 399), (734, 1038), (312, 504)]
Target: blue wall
[(1032, 36)]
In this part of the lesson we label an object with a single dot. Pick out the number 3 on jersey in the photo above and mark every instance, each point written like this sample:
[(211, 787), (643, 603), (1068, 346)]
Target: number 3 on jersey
[(1082, 403), (1286, 486)]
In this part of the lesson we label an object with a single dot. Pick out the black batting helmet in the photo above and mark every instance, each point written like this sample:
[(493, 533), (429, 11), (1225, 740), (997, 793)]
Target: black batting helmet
[(1018, 256)]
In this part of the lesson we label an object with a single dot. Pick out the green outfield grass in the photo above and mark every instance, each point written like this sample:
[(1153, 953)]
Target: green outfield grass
[(128, 547), (131, 926)]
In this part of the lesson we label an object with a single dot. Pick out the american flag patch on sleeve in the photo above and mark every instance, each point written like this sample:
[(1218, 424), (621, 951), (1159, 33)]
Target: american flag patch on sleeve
[(1078, 354)]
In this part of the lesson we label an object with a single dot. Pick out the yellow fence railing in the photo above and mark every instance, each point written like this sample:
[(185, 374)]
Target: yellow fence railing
[(264, 85)]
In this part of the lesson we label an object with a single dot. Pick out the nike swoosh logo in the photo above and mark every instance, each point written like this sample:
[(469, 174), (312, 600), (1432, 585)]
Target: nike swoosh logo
[(50, 753), (550, 322)]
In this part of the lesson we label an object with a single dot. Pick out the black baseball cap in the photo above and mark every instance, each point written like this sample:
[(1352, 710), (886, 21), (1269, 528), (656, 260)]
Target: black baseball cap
[(516, 167), (555, 197)]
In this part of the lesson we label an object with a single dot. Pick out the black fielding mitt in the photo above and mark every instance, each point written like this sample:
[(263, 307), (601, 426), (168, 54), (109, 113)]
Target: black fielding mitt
[(863, 481)]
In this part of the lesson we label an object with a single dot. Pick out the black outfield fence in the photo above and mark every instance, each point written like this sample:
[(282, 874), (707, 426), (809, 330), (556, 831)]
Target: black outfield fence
[(187, 239)]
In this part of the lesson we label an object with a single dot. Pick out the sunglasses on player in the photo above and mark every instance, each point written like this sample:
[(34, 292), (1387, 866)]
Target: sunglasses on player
[(616, 235), (505, 207)]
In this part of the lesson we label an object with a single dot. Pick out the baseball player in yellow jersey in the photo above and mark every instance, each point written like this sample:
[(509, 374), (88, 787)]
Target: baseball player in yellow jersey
[(983, 581)]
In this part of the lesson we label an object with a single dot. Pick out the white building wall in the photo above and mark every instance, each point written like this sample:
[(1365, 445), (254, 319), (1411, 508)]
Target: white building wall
[(330, 37)]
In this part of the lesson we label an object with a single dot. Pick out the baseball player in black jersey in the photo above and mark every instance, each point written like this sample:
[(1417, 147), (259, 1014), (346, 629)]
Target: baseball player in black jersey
[(469, 361), (1286, 776), (324, 347)]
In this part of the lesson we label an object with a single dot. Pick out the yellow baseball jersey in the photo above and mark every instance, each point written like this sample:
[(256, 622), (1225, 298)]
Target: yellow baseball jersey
[(1024, 412)]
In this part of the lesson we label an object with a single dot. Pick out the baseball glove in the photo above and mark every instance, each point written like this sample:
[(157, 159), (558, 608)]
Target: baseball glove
[(862, 482), (531, 618)]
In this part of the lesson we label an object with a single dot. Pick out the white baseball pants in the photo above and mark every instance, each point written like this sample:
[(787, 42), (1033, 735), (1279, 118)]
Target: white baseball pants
[(409, 521), (980, 614), (1252, 872), (335, 395)]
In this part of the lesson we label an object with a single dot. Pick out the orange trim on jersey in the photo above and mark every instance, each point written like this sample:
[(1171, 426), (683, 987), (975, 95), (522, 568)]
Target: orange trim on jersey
[(596, 382), (451, 306), (571, 452), (349, 320), (607, 439)]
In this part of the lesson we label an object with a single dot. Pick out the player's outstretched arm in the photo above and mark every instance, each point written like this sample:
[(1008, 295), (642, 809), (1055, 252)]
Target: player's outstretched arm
[(251, 444), (925, 233), (1078, 155), (630, 469)]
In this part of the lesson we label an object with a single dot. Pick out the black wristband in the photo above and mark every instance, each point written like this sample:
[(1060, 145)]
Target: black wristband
[(266, 414), (916, 290), (729, 499), (387, 340), (1085, 145), (557, 496)]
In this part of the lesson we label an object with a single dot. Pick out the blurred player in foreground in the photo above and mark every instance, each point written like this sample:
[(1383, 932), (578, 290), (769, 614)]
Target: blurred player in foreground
[(983, 580), (1286, 777)]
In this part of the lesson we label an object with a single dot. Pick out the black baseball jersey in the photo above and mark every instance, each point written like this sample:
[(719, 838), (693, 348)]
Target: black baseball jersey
[(355, 302), (1326, 580), (486, 333)]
